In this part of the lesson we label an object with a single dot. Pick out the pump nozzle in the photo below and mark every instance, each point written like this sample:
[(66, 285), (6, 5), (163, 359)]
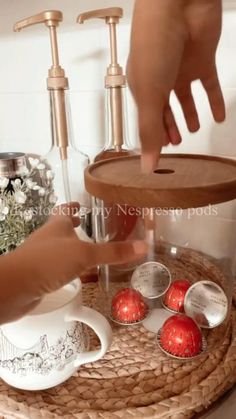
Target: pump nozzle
[(49, 17), (112, 16), (115, 80), (56, 82)]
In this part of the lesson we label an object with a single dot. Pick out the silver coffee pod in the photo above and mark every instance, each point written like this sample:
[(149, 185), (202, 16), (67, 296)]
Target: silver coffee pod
[(206, 303), (152, 279)]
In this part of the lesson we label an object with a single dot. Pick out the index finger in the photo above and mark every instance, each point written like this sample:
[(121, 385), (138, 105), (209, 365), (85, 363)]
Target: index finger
[(152, 134)]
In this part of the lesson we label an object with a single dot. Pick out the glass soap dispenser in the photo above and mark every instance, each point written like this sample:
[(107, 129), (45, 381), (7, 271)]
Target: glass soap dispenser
[(66, 161), (117, 139)]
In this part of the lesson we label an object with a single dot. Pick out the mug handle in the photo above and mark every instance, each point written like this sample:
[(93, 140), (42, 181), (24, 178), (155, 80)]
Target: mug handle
[(100, 326)]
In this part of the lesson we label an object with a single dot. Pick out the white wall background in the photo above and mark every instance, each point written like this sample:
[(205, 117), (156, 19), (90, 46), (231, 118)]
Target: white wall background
[(25, 59)]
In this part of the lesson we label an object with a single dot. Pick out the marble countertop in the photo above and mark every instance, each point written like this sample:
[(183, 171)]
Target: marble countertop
[(224, 408)]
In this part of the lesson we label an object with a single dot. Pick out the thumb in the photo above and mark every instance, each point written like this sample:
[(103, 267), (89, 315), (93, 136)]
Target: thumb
[(112, 253)]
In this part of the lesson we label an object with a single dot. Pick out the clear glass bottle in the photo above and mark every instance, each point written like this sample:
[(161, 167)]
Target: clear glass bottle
[(67, 164), (69, 173), (118, 143), (123, 146)]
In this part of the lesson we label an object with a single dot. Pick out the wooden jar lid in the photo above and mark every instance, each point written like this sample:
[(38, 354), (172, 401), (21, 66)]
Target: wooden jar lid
[(181, 181)]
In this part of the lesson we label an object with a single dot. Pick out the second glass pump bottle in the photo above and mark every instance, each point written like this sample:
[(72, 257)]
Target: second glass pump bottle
[(117, 140), (121, 223), (66, 161)]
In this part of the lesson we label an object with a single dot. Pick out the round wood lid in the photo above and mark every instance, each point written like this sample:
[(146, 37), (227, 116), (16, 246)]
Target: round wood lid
[(180, 181)]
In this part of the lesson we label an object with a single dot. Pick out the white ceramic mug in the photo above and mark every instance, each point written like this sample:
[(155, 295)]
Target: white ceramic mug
[(46, 347)]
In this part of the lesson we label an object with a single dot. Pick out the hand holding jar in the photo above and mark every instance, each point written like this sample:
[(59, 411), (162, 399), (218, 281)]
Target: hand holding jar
[(50, 258)]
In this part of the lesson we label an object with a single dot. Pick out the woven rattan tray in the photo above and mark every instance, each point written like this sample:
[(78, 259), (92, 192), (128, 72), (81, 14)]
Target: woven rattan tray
[(134, 379)]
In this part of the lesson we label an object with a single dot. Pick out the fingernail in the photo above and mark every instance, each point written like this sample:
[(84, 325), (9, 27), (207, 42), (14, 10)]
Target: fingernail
[(194, 125), (176, 140), (148, 163), (175, 136), (140, 247), (220, 116)]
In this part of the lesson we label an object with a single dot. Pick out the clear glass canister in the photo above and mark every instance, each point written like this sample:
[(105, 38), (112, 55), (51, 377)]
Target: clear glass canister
[(182, 289)]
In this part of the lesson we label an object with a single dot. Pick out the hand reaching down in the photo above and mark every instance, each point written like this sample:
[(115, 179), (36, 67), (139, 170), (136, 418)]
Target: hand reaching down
[(173, 43)]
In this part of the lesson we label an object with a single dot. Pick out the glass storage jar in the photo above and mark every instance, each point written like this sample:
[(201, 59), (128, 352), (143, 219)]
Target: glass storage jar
[(185, 211)]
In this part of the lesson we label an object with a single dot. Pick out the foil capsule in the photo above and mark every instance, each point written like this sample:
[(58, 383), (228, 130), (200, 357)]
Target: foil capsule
[(174, 297), (181, 337), (151, 279), (128, 307), (206, 303)]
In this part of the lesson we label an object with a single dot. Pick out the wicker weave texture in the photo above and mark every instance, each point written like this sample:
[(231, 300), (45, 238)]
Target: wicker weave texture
[(135, 379)]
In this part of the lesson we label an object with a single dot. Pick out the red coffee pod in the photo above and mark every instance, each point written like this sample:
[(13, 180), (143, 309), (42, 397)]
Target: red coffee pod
[(128, 306), (181, 337), (174, 297)]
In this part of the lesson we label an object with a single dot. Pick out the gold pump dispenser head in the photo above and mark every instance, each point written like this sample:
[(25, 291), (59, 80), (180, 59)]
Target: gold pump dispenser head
[(112, 16), (57, 83), (115, 79)]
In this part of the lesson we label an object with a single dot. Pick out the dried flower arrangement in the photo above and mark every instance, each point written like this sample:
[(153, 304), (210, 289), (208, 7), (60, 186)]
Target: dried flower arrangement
[(25, 202)]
